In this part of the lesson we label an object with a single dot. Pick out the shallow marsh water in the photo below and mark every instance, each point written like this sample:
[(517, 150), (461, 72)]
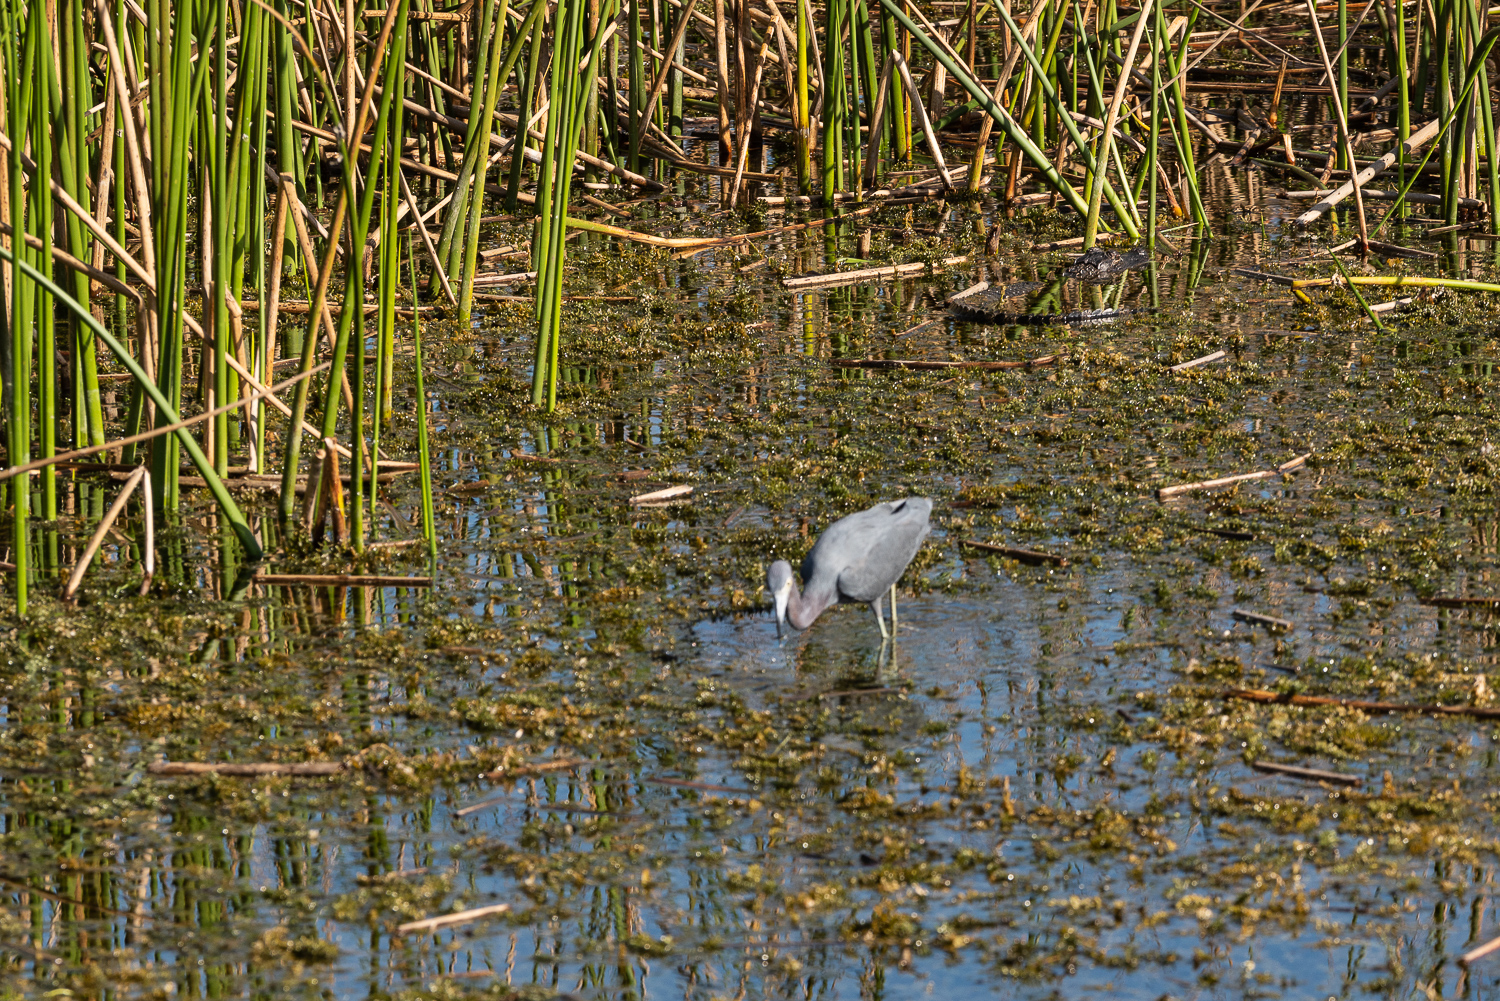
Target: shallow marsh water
[(1038, 791)]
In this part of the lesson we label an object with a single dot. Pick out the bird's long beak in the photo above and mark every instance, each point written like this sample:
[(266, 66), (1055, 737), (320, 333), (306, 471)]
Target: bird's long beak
[(781, 597)]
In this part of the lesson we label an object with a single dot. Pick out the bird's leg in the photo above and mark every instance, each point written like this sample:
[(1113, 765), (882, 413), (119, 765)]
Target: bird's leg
[(893, 609), (879, 618)]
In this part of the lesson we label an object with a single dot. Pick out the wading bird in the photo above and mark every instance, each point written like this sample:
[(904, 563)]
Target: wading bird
[(859, 558)]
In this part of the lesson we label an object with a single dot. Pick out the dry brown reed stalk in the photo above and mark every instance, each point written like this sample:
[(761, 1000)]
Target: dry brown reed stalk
[(448, 920), (1288, 699), (914, 364), (745, 133), (339, 579), (105, 523), (535, 768), (328, 498), (1342, 120), (246, 769), (1310, 774), (1418, 139), (1027, 556), (660, 83), (1257, 619), (76, 454), (1204, 360), (1477, 953), (866, 274), (933, 146), (1286, 467)]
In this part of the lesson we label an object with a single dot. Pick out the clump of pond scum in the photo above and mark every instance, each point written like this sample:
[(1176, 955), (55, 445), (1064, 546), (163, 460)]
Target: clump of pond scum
[(1045, 786)]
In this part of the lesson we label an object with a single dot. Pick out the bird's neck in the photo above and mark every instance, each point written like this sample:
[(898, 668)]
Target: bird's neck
[(803, 609)]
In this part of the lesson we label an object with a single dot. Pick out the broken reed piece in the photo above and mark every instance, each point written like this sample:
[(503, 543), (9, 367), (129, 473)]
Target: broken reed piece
[(1278, 698), (727, 241), (1386, 249), (1269, 621), (1367, 175), (852, 692), (971, 290), (1037, 248), (339, 580), (1163, 493), (1028, 556), (1263, 276), (1479, 952), (1387, 195), (689, 245), (327, 499), (578, 808), (1232, 535), (685, 784), (456, 918), (864, 274), (1392, 305), (1198, 361), (476, 807), (659, 496), (521, 771), (1311, 774), (302, 308), (510, 279), (105, 523), (1283, 668), (246, 769), (921, 326), (919, 365), (1489, 603)]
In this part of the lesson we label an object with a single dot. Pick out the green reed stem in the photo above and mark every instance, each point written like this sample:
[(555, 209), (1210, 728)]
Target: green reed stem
[(41, 226), (534, 29), (491, 95), (568, 102), (18, 360), (424, 450), (804, 105), (1011, 127), (163, 404)]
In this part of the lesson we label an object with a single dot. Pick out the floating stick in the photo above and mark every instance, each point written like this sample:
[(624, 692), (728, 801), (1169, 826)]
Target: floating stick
[(1311, 774), (1029, 556), (1279, 698), (445, 920), (1286, 467)]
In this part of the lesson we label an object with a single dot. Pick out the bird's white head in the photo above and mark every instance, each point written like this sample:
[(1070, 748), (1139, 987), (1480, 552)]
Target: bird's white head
[(779, 581)]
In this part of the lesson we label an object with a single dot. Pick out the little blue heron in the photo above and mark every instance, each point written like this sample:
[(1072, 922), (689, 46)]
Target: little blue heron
[(858, 558)]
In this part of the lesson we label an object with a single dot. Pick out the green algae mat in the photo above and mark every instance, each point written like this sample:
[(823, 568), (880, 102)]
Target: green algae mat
[(583, 764)]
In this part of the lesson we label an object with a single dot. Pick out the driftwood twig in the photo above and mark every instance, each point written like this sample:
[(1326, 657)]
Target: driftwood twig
[(339, 580), (1278, 698), (457, 918), (1490, 603), (1215, 356), (533, 769), (865, 274), (685, 784), (919, 365), (677, 493), (1256, 619), (245, 768), (1312, 774), (1028, 556), (1286, 467), (1479, 952)]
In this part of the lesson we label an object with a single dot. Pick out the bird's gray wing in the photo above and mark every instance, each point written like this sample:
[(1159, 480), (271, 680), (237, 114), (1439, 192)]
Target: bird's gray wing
[(863, 554)]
